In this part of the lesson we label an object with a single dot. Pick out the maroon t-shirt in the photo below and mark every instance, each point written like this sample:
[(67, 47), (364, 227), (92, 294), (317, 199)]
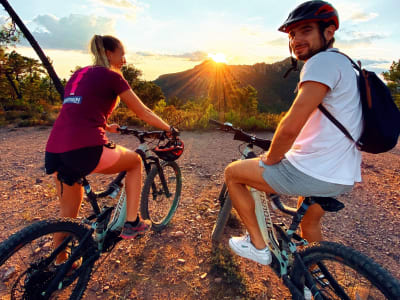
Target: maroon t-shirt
[(90, 97)]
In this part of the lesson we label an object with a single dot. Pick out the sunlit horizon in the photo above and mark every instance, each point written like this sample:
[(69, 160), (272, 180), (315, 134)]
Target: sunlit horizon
[(234, 34), (218, 57)]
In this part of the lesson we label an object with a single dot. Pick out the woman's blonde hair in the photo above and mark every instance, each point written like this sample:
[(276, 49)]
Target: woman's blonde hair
[(98, 46)]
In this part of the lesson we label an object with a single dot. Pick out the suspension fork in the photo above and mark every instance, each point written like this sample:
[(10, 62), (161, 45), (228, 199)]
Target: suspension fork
[(162, 178)]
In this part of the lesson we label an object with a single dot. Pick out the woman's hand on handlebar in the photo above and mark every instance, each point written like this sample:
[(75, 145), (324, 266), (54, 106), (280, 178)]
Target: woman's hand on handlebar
[(113, 128), (172, 132)]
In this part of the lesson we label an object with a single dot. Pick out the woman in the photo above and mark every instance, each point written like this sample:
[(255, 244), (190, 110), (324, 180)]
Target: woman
[(78, 146)]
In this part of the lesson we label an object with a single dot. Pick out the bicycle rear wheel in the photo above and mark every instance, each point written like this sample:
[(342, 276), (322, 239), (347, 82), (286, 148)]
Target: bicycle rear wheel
[(159, 202), (27, 261), (223, 215), (341, 272)]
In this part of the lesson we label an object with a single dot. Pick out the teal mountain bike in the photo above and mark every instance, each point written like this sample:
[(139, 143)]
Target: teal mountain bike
[(27, 268)]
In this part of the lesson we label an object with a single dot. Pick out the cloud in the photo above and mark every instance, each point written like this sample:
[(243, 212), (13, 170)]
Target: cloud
[(356, 39), (282, 41), (118, 3), (355, 13), (190, 56), (362, 17), (144, 53), (380, 62), (70, 33), (377, 66), (128, 8)]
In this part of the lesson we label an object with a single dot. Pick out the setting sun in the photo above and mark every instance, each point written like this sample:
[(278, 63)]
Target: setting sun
[(218, 57)]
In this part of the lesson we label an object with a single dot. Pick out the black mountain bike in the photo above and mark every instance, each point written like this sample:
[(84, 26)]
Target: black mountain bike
[(27, 267), (326, 269)]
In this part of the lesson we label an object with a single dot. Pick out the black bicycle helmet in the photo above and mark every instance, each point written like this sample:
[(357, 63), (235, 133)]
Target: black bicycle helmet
[(172, 150), (311, 11)]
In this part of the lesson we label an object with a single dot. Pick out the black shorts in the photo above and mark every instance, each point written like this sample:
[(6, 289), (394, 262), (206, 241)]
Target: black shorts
[(73, 165)]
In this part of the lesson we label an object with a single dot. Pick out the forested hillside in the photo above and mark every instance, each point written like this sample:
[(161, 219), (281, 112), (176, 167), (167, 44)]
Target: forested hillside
[(222, 82)]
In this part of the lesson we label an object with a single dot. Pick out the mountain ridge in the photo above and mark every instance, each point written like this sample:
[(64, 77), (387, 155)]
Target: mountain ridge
[(211, 79)]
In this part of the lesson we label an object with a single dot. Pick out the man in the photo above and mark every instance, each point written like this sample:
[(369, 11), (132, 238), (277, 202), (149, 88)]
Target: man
[(309, 155)]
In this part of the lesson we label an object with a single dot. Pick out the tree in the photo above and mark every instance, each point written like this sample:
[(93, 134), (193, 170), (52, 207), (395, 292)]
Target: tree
[(9, 34), (46, 63), (245, 100), (393, 77), (148, 92), (131, 74)]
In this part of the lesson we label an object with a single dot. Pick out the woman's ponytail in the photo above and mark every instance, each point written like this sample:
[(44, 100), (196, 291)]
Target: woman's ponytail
[(98, 51)]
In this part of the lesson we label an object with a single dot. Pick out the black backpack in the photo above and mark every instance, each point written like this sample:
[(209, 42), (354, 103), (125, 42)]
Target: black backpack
[(380, 114)]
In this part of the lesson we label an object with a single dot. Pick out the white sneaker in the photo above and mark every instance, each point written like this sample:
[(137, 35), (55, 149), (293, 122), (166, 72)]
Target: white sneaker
[(242, 246), (307, 293)]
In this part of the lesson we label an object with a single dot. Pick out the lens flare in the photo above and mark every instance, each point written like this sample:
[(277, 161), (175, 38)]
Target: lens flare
[(218, 57)]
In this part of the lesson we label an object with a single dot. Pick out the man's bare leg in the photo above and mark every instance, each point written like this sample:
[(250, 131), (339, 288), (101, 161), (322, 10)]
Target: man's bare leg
[(310, 226), (239, 175)]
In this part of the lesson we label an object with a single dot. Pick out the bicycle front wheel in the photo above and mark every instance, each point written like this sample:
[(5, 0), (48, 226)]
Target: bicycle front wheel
[(341, 272), (161, 194), (27, 261)]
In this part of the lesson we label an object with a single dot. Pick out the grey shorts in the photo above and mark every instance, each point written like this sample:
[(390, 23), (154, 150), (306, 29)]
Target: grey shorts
[(285, 179)]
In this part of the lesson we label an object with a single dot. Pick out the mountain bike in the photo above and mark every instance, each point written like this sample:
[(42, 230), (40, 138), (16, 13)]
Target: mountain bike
[(27, 258), (329, 270)]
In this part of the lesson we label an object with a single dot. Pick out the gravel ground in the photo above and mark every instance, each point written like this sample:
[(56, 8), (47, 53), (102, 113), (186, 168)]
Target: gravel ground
[(172, 265)]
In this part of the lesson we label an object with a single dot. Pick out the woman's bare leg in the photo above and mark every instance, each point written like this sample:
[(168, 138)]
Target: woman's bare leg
[(70, 198), (130, 162)]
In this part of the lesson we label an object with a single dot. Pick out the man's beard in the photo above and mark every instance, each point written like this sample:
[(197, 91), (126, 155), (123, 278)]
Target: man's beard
[(309, 54), (312, 52)]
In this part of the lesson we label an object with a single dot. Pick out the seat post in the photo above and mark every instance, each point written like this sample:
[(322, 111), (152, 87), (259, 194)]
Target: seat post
[(299, 215), (91, 196)]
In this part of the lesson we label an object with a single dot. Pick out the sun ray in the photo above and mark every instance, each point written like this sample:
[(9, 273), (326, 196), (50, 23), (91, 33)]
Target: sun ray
[(218, 57)]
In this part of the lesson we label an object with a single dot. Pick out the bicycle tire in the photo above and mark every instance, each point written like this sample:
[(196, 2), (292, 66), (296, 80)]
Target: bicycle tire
[(155, 204), (24, 255), (222, 195), (223, 215), (336, 269)]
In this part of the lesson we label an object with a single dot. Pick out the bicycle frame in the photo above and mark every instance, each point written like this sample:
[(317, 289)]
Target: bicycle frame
[(109, 221), (284, 252), (112, 219), (119, 215), (266, 225)]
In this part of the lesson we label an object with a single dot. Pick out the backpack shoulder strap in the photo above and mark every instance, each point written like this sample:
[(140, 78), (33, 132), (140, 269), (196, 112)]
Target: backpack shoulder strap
[(328, 114), (335, 121), (355, 66)]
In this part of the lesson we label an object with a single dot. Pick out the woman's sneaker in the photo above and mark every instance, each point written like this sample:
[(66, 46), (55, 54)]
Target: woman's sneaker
[(243, 247), (130, 232)]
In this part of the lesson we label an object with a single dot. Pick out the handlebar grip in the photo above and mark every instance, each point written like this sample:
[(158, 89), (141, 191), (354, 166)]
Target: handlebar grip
[(215, 122), (223, 126)]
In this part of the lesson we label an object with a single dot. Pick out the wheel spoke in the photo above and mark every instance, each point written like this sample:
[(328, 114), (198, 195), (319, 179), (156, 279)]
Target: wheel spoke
[(30, 267), (340, 272), (161, 193)]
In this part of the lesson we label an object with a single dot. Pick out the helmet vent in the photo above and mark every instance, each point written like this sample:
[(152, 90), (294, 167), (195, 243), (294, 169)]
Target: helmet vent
[(326, 9)]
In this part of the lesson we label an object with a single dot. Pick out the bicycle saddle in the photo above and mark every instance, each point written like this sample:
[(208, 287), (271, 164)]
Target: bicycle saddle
[(327, 203)]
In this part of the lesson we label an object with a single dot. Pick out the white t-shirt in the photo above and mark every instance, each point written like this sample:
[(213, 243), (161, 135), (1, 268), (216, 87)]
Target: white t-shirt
[(321, 150)]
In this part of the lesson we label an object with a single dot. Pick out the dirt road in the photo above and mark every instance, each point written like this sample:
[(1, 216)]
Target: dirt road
[(166, 266)]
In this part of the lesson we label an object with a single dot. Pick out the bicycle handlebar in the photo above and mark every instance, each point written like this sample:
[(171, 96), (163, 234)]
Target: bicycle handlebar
[(240, 135), (142, 135)]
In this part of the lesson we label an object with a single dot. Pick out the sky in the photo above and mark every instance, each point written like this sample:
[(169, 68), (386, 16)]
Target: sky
[(168, 36)]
